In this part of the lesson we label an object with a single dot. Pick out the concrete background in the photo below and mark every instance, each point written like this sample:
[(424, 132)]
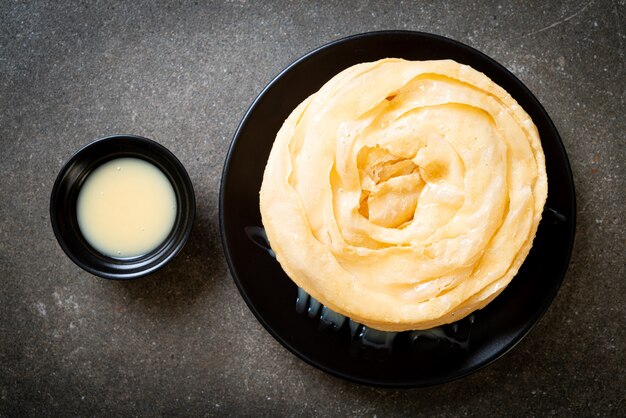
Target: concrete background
[(183, 342)]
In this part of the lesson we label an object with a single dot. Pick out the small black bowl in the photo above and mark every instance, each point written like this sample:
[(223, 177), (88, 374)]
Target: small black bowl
[(65, 193)]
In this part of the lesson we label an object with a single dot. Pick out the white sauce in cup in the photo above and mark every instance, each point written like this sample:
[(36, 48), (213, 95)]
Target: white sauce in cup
[(126, 208)]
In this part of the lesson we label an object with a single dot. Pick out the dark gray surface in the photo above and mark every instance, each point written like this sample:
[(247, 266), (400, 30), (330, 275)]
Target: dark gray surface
[(183, 341)]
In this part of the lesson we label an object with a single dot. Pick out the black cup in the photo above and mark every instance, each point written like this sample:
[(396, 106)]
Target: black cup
[(65, 193)]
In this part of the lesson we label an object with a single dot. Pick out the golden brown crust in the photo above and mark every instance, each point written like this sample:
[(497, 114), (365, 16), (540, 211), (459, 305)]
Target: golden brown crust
[(404, 194)]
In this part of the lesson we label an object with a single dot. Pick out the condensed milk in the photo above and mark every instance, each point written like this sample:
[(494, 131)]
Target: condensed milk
[(126, 208)]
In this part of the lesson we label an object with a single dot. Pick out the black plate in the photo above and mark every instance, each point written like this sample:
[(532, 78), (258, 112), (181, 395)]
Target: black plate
[(271, 295)]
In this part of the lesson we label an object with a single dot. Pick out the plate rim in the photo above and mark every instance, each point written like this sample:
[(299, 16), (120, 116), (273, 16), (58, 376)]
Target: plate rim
[(523, 332)]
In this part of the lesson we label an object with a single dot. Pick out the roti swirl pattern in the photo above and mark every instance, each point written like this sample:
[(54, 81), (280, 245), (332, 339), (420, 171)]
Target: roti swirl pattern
[(404, 194)]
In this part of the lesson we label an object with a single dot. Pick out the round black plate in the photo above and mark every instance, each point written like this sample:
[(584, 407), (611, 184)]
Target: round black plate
[(271, 295)]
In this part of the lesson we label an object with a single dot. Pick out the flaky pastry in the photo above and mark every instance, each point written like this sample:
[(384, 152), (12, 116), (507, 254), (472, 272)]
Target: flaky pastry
[(404, 194)]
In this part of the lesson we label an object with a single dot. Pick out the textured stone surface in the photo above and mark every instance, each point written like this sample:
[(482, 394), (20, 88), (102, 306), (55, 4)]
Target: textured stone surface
[(183, 341)]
